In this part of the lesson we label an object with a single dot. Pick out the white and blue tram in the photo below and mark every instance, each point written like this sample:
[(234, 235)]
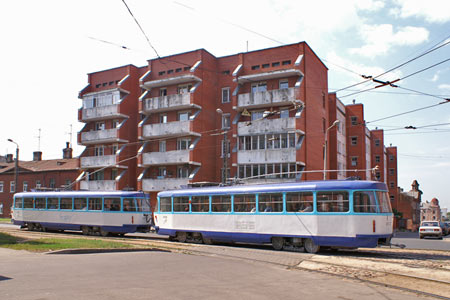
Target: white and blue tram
[(98, 212), (336, 214)]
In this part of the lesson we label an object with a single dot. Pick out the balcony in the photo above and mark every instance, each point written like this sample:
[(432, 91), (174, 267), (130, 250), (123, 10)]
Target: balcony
[(170, 129), (100, 136), (267, 99), (164, 184), (266, 156), (100, 113), (264, 126), (98, 185), (166, 158), (170, 81), (168, 103), (97, 161)]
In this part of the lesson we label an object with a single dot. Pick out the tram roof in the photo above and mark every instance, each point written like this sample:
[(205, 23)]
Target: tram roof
[(279, 187), (82, 194)]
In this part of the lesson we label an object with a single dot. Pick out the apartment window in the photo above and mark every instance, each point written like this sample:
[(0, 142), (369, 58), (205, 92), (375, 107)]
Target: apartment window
[(162, 118), (354, 161), (114, 173), (275, 64), (377, 143), (183, 144), (1, 186), (183, 116), (284, 113), (392, 198), (115, 123), (391, 171), (100, 126), (256, 115), (162, 172), (392, 184), (377, 159), (115, 147), (264, 66), (283, 84), (12, 187), (184, 89), (286, 62), (99, 151), (38, 184), (225, 95), (162, 146), (354, 120), (259, 87), (161, 73), (178, 70), (187, 68), (354, 140), (391, 157), (162, 92), (52, 183), (378, 175), (255, 67), (226, 121), (182, 172), (169, 71)]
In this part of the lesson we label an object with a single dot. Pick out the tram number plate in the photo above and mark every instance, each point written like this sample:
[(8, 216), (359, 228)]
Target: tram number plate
[(242, 225)]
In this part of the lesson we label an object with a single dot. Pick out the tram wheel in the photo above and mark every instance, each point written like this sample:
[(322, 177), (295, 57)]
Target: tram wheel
[(85, 230), (277, 242), (207, 241), (181, 236), (310, 246), (104, 232)]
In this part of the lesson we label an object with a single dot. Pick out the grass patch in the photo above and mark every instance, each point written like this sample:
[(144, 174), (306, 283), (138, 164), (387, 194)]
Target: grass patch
[(5, 220), (49, 244)]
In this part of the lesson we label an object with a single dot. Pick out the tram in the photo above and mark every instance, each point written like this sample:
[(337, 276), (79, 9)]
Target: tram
[(310, 214), (92, 213)]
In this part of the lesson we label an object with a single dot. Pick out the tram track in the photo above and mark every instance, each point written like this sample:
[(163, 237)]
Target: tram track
[(380, 267)]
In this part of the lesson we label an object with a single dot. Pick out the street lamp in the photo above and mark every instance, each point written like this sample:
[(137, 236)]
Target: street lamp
[(16, 165), (326, 148), (225, 149)]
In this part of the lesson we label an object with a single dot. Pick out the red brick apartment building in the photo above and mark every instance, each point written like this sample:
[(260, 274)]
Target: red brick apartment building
[(36, 174), (271, 106)]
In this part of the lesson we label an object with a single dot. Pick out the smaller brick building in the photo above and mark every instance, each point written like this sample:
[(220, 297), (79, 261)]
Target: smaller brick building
[(430, 211), (408, 204), (38, 173)]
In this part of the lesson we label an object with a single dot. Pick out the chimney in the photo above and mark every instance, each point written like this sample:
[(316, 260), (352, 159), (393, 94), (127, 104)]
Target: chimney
[(9, 158), (37, 156), (67, 152), (354, 101)]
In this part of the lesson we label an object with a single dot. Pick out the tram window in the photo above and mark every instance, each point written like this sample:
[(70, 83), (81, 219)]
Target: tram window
[(28, 203), (80, 203), (52, 203), (66, 203), (181, 204), (143, 204), (299, 202), (165, 204), (200, 203), (18, 203), (95, 203), (383, 201), (244, 203), (364, 202), (39, 203), (112, 204), (332, 201), (270, 202), (221, 203), (129, 204)]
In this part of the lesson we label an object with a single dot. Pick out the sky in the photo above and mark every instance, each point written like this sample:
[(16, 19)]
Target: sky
[(49, 47)]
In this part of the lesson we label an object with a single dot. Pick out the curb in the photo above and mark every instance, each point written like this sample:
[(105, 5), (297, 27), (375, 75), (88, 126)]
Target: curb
[(114, 250)]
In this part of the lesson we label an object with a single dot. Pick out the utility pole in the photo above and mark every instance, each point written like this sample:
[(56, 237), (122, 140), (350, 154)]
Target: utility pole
[(16, 166)]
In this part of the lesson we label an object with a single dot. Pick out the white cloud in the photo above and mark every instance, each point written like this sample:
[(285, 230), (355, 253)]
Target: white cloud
[(381, 38), (435, 77), (433, 11), (444, 86), (369, 5)]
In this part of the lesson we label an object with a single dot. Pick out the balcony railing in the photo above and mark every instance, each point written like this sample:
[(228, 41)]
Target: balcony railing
[(167, 103), (164, 184), (166, 158), (268, 98), (107, 135), (100, 112), (264, 126), (170, 129), (266, 156), (97, 161), (98, 185)]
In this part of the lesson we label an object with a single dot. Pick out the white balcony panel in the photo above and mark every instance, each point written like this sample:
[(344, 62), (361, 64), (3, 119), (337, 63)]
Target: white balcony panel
[(269, 75), (98, 185), (166, 158), (98, 161), (170, 129), (171, 81), (164, 184), (264, 126), (107, 135), (168, 103), (267, 99), (266, 156), (101, 112)]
